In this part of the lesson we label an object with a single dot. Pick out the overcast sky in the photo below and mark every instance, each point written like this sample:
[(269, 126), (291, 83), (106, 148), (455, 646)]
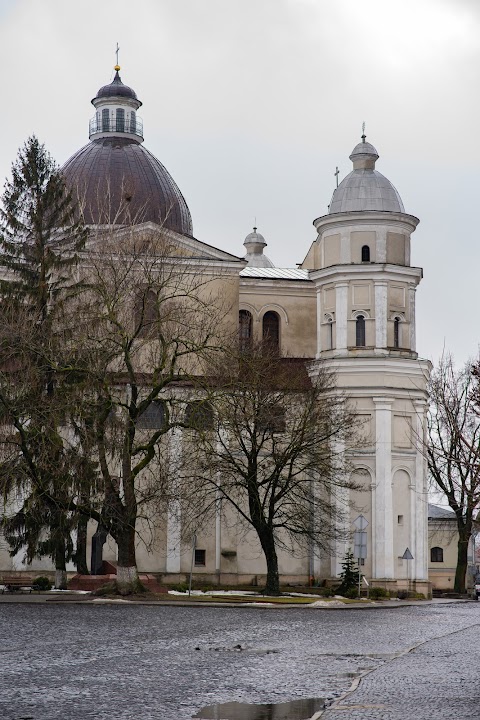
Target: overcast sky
[(251, 104)]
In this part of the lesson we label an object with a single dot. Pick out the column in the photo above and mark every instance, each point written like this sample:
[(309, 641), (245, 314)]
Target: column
[(381, 305), (341, 506), (173, 513), (382, 510), (341, 308)]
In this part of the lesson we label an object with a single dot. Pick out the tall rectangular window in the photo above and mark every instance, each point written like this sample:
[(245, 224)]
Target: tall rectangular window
[(105, 120), (120, 117)]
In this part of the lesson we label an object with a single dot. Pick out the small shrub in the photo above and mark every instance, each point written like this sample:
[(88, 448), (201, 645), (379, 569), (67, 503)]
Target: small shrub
[(41, 583), (107, 589), (402, 594), (419, 596), (324, 591), (351, 593), (379, 593), (180, 587)]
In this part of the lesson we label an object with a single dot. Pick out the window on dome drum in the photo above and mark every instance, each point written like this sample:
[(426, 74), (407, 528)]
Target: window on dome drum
[(436, 554), (200, 558), (396, 332), (271, 331), (153, 418), (105, 120), (360, 331), (365, 253), (120, 120), (199, 415), (245, 329), (133, 122)]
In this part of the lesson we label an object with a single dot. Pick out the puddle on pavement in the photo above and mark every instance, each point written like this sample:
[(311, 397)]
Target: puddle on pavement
[(293, 710)]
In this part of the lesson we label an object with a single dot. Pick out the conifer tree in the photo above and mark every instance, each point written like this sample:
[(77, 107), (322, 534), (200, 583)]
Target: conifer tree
[(40, 238)]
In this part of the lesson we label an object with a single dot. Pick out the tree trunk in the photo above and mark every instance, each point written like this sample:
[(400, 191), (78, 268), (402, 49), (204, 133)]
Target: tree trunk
[(81, 552), (60, 565), (127, 574), (267, 541), (461, 570)]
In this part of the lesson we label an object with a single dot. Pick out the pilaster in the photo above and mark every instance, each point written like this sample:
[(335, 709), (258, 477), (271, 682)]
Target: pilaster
[(413, 339), (341, 308), (381, 295), (382, 510)]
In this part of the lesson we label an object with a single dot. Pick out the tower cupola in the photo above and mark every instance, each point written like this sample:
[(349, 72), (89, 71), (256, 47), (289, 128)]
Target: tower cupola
[(116, 108), (255, 244)]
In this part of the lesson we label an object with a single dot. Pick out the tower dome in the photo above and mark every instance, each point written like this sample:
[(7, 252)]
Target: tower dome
[(114, 177), (365, 188), (255, 243), (116, 89)]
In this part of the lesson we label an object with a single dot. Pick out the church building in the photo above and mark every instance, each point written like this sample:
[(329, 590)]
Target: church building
[(348, 304)]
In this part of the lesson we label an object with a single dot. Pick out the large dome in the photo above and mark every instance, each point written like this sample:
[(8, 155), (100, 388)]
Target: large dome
[(365, 188), (118, 181)]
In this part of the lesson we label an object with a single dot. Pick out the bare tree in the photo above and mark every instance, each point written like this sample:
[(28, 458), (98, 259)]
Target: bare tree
[(274, 447), (453, 449), (146, 328)]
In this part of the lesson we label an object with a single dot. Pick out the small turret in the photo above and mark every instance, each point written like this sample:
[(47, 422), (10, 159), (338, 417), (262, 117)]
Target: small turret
[(255, 243)]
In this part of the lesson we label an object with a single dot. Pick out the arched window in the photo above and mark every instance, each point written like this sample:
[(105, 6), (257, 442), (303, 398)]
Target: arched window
[(245, 330), (271, 331), (365, 253), (360, 331), (105, 120), (436, 554), (396, 332), (120, 120), (199, 415)]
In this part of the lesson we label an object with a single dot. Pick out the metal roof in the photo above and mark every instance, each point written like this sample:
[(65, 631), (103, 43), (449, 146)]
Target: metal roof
[(435, 512), (273, 273), (118, 180)]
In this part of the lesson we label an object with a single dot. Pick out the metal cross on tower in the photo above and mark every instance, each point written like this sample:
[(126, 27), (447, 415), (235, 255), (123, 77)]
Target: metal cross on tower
[(363, 132), (336, 173), (117, 51)]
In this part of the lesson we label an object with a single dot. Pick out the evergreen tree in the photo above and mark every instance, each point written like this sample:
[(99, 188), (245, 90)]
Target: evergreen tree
[(349, 574), (40, 239)]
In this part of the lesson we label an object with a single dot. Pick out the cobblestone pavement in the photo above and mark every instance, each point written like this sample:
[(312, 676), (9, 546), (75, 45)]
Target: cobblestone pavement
[(438, 679), (64, 661)]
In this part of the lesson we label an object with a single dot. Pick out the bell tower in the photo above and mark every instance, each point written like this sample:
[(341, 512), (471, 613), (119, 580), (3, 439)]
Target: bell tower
[(365, 290)]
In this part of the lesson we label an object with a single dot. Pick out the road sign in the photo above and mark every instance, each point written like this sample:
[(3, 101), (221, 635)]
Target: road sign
[(360, 544), (407, 555), (361, 522)]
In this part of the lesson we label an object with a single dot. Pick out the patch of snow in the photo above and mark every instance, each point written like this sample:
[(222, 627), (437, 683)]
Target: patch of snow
[(326, 603)]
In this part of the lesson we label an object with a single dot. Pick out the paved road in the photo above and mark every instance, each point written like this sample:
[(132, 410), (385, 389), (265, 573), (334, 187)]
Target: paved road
[(439, 679), (124, 662)]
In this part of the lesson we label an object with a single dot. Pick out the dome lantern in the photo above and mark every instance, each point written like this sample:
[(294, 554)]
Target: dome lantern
[(116, 108)]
